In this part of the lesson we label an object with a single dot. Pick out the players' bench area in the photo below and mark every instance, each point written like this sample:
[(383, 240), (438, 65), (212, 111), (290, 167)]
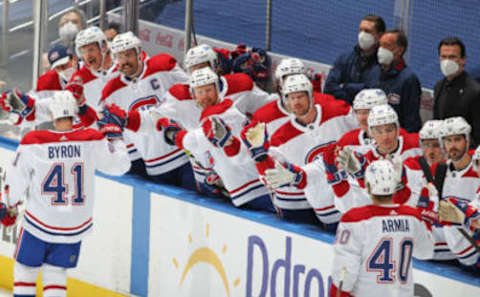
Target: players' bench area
[(156, 240)]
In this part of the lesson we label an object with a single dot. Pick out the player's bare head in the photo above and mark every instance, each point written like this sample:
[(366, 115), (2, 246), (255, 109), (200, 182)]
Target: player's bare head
[(297, 94), (456, 137), (204, 87), (383, 127), (127, 49), (91, 45), (430, 135), (199, 57), (381, 181), (63, 109), (366, 100)]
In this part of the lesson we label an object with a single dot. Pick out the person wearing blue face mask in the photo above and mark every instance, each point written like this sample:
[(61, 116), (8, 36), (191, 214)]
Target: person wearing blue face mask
[(357, 69), (398, 80), (457, 94)]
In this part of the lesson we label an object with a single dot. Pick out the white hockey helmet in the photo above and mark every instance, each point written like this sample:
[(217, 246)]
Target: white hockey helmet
[(87, 36), (431, 130), (63, 105), (382, 115), (297, 83), (202, 77), (368, 98), (381, 177), (202, 53), (456, 126), (126, 41), (288, 66)]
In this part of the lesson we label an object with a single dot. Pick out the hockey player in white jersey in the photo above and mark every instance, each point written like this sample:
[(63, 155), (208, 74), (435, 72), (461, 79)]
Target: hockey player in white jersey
[(142, 86), (383, 122), (213, 143), (418, 168), (274, 114), (374, 244), (359, 139), (460, 182), (57, 170), (300, 141)]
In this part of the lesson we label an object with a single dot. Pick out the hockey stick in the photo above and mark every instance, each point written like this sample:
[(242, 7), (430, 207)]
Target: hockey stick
[(340, 284), (469, 238)]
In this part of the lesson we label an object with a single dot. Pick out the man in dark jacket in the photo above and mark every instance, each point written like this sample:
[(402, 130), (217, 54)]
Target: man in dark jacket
[(458, 94), (358, 69), (398, 81)]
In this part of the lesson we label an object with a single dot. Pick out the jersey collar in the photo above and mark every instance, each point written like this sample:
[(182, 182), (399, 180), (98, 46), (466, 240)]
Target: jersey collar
[(309, 127), (397, 153)]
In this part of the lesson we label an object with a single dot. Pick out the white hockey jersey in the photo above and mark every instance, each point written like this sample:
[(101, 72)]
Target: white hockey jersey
[(239, 87), (233, 163), (357, 196), (181, 107), (160, 72), (58, 170), (274, 114), (301, 145), (463, 185), (374, 246)]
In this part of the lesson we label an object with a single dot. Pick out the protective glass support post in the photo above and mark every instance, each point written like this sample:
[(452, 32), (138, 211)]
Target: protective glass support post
[(103, 13), (40, 25), (268, 26), (402, 13), (188, 24), (131, 16), (5, 7)]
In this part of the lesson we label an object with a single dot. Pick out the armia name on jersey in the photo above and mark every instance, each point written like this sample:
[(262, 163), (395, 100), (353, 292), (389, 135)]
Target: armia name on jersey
[(64, 151), (395, 225)]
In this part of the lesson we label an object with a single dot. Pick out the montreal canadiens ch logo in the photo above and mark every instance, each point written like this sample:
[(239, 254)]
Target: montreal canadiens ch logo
[(316, 151), (144, 103)]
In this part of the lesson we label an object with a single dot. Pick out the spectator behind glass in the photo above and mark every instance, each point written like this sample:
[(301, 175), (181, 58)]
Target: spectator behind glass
[(458, 94), (112, 30), (398, 81), (70, 24), (357, 69)]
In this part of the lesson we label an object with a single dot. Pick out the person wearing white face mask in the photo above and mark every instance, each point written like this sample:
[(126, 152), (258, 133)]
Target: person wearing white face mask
[(458, 93), (70, 24), (358, 69), (63, 65), (398, 81)]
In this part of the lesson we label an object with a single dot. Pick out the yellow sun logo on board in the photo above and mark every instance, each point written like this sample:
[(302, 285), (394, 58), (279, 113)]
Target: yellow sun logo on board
[(208, 256)]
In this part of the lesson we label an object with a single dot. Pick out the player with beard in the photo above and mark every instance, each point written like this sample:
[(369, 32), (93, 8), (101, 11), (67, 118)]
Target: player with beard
[(460, 183)]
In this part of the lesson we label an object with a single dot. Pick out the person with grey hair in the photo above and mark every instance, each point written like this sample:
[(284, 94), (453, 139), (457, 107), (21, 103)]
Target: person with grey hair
[(70, 23)]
